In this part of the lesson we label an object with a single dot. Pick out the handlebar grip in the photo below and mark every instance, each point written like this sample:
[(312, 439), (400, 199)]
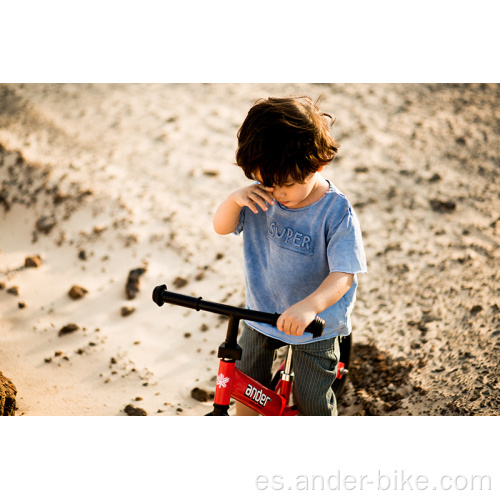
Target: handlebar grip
[(161, 295), (316, 327)]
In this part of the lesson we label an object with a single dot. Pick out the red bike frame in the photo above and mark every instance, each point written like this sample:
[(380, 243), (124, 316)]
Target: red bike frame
[(233, 383)]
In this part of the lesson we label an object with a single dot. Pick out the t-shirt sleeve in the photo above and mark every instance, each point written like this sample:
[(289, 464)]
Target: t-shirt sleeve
[(241, 222), (345, 245)]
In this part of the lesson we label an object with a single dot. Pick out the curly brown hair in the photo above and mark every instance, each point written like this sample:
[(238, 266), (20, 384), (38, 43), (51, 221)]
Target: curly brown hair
[(285, 137)]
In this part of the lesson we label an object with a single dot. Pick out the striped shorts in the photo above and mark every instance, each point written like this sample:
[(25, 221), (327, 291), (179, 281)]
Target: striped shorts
[(314, 367)]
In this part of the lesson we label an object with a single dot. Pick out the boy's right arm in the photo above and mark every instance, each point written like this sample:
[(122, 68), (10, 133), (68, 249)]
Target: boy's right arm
[(227, 216)]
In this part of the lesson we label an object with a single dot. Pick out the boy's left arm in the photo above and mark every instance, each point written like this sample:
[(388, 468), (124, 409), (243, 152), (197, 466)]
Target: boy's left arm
[(296, 318)]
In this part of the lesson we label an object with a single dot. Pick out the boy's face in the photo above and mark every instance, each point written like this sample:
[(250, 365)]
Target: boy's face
[(294, 194)]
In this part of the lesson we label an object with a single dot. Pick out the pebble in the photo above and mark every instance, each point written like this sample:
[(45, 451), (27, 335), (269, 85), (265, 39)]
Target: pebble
[(180, 282), (200, 394), (133, 411), (127, 311), (77, 292), (45, 224), (69, 328), (443, 207), (33, 261), (133, 282)]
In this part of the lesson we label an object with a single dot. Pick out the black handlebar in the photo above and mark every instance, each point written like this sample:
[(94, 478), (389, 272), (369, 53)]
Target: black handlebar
[(162, 295)]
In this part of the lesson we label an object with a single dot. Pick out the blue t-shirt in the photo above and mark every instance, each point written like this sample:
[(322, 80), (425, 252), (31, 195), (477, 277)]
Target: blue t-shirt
[(288, 253)]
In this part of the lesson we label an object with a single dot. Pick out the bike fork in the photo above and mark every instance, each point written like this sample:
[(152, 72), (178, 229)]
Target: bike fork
[(229, 352)]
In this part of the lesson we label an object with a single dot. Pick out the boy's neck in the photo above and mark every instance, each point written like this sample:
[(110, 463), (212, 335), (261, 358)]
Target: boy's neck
[(320, 186)]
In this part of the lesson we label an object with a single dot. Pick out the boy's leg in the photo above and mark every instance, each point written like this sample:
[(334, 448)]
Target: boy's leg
[(315, 368), (256, 362)]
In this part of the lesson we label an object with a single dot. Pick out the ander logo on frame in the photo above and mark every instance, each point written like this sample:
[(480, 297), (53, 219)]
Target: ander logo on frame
[(257, 395)]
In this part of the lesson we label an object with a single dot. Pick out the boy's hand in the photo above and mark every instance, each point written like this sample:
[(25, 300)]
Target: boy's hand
[(250, 196), (295, 319)]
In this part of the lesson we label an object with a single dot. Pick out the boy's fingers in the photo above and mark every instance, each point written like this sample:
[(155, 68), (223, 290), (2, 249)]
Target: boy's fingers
[(257, 199), (280, 324)]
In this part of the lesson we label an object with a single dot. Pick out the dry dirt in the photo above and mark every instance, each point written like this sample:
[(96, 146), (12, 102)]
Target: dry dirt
[(98, 180)]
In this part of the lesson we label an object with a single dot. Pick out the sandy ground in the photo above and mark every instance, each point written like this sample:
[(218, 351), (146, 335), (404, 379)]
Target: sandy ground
[(98, 180)]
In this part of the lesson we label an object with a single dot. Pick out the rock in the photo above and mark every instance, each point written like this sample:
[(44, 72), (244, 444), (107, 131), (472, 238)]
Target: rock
[(202, 394), (45, 224), (443, 206), (476, 309), (33, 261), (69, 328), (127, 311), (13, 290), (77, 292), (8, 394), (180, 282), (133, 282), (132, 411)]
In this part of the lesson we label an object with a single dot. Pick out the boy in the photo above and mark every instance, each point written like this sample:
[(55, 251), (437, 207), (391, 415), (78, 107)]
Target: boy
[(302, 245)]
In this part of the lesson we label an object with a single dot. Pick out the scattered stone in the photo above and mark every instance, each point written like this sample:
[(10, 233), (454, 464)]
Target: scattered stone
[(180, 282), (219, 256), (443, 207), (45, 224), (133, 281), (69, 328), (476, 309), (211, 173), (113, 361), (33, 261), (199, 394), (127, 311), (13, 290), (132, 411), (21, 305), (77, 292), (2, 285), (8, 394), (361, 169), (187, 335), (82, 255), (204, 327), (202, 394)]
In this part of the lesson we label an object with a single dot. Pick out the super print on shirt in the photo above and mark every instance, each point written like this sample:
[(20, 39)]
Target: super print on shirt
[(290, 238)]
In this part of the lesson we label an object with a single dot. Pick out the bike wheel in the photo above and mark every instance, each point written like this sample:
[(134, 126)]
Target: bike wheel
[(345, 357)]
